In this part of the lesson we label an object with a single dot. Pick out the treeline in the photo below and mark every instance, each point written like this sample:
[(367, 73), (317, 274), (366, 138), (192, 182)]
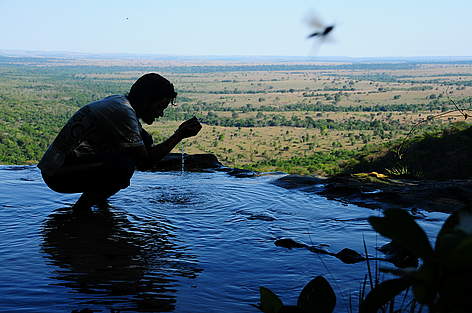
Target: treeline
[(237, 91), (437, 81), (294, 121), (307, 122), (435, 104), (197, 69), (320, 107)]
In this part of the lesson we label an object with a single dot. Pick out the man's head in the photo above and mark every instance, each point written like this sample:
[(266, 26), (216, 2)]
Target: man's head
[(150, 95)]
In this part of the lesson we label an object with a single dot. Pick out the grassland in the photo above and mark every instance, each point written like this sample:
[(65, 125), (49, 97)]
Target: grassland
[(254, 114)]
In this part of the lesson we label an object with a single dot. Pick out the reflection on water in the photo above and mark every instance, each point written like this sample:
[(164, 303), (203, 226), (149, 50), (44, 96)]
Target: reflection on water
[(109, 260)]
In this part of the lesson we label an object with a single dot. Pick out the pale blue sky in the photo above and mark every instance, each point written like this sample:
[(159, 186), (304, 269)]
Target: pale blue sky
[(240, 27)]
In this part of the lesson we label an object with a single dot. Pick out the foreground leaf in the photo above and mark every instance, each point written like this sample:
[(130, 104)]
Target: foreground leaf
[(452, 233), (400, 226), (426, 283), (270, 302), (317, 296), (382, 294), (460, 259)]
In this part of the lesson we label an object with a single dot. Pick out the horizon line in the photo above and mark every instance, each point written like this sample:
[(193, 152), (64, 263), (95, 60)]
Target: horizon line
[(49, 53)]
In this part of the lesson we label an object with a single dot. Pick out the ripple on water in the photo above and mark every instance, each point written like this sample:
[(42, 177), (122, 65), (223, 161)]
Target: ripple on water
[(197, 242)]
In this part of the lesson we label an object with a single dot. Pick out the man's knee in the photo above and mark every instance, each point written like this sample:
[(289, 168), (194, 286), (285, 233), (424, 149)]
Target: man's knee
[(57, 184)]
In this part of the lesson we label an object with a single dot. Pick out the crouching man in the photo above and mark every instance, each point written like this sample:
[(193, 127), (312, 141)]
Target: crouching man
[(99, 148)]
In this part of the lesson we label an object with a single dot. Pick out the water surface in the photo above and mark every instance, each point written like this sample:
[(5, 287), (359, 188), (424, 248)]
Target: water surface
[(197, 242)]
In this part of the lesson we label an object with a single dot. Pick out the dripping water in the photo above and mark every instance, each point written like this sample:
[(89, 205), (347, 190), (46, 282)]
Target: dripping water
[(182, 152)]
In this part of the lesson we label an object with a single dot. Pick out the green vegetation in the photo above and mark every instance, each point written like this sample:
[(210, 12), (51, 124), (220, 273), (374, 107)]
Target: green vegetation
[(322, 163), (438, 154), (298, 118), (35, 103)]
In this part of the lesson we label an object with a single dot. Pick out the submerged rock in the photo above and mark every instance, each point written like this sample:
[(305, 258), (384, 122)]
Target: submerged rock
[(261, 217), (346, 255), (192, 162), (349, 256), (289, 243)]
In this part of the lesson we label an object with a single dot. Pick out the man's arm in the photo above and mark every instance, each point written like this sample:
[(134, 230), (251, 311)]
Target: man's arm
[(157, 152), (145, 158)]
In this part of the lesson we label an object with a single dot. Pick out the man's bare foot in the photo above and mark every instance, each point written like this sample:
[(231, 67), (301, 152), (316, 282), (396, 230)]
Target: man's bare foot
[(84, 204), (89, 199)]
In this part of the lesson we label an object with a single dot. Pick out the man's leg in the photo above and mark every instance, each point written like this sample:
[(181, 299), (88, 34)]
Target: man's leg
[(90, 198), (97, 178)]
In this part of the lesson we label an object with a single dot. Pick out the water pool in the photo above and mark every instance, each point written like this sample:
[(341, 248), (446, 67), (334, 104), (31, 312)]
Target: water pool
[(197, 242)]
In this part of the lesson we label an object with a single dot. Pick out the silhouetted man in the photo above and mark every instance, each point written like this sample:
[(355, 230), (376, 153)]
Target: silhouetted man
[(102, 144)]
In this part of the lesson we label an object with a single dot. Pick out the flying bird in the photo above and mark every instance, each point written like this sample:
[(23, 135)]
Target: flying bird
[(321, 29), (322, 33)]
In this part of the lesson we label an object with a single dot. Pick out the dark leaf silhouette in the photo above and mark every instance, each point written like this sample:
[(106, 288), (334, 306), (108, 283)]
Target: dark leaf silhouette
[(317, 296), (382, 294), (270, 302), (399, 226)]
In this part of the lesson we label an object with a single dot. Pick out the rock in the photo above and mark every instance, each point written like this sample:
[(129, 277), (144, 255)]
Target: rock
[(192, 162), (241, 173), (261, 217), (349, 256), (371, 174), (298, 181), (346, 255), (289, 243), (378, 191), (315, 249)]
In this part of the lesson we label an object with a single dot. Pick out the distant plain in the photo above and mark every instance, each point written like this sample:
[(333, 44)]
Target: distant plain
[(252, 111)]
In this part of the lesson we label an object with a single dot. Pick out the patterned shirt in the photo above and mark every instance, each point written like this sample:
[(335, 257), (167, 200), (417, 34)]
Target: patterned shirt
[(106, 125)]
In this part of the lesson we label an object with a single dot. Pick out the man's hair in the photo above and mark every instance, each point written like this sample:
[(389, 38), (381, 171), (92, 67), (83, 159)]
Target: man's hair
[(150, 87)]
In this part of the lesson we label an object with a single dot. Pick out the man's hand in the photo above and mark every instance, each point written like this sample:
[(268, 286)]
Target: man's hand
[(186, 129), (189, 128)]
